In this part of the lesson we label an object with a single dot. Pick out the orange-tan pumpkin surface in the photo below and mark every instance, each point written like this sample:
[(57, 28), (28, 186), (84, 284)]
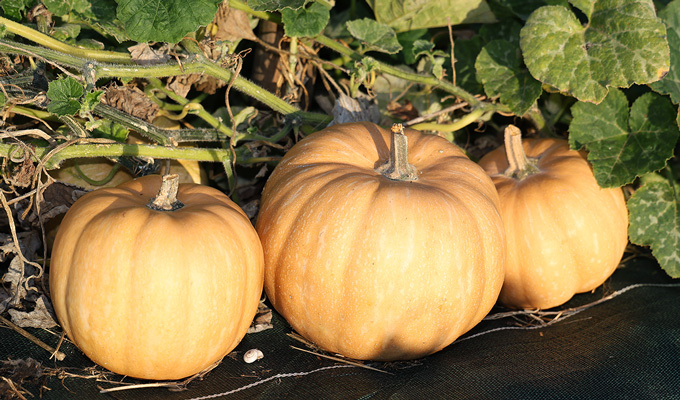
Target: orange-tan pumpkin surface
[(154, 293), (374, 261), (565, 234)]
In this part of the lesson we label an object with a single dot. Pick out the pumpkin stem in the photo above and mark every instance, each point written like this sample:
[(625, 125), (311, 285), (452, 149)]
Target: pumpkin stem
[(520, 165), (166, 199), (397, 166)]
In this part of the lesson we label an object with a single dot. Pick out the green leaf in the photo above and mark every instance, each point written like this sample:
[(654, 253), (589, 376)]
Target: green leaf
[(64, 95), (61, 8), (66, 32), (500, 68), (90, 100), (466, 52), (655, 221), (14, 8), (164, 20), (275, 5), (111, 130), (622, 43), (507, 29), (524, 8), (670, 84), (421, 47), (623, 145), (407, 40), (407, 15), (305, 22), (376, 36)]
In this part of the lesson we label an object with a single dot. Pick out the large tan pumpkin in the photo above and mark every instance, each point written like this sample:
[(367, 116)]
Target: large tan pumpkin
[(377, 267), (151, 293), (566, 235)]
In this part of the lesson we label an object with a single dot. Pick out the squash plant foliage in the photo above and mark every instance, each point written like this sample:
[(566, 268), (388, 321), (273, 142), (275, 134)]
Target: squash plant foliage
[(605, 74)]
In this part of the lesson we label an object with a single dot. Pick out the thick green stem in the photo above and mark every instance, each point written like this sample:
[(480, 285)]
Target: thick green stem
[(197, 65), (115, 150), (461, 123), (159, 135), (47, 41)]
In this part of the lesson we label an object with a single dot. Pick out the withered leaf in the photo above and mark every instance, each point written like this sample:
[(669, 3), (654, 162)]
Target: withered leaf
[(143, 54), (131, 100), (42, 315), (232, 24)]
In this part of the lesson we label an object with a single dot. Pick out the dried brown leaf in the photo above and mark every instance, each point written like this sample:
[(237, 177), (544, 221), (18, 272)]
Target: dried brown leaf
[(347, 109), (42, 315), (262, 320), (131, 100), (404, 112), (58, 198), (143, 54), (232, 24)]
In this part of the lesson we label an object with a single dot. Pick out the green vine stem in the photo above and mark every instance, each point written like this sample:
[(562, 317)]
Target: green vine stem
[(189, 106), (459, 124), (47, 41), (197, 64), (82, 175), (159, 135), (15, 151)]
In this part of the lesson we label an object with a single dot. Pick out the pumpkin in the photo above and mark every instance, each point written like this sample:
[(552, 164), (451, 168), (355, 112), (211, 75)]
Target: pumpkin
[(380, 245), (160, 289), (565, 233)]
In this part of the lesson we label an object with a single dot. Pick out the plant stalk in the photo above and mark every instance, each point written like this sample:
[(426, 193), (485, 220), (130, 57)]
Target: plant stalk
[(520, 166), (115, 150), (51, 43), (397, 167), (166, 199)]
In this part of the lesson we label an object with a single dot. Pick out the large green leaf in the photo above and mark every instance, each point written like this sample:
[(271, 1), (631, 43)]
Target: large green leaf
[(14, 8), (524, 8), (502, 72), (305, 22), (374, 35), (407, 15), (670, 84), (623, 43), (655, 221), (624, 144), (275, 5), (466, 52), (164, 20)]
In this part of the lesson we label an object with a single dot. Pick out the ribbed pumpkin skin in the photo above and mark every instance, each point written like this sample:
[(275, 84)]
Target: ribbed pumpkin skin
[(565, 234), (373, 268), (151, 294)]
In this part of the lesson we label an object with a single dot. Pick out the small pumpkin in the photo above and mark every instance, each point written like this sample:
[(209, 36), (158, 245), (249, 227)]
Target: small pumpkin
[(565, 233), (160, 289), (380, 245)]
